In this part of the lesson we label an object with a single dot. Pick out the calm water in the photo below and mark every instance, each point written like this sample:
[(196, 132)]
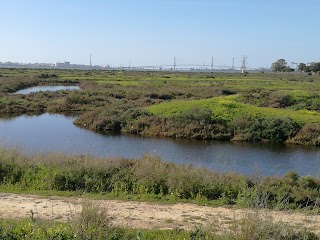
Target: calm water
[(46, 88), (48, 133)]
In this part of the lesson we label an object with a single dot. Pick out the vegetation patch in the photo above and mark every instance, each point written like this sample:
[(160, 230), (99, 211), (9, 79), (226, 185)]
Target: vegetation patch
[(158, 180), (94, 224), (239, 121), (174, 104), (227, 109)]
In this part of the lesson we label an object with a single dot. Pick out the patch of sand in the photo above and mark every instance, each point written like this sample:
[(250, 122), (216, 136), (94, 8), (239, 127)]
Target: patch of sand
[(142, 214)]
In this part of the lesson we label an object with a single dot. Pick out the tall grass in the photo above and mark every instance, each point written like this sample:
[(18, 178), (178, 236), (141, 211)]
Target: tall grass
[(255, 226), (151, 178)]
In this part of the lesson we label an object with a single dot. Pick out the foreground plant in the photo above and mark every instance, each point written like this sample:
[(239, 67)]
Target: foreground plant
[(151, 178)]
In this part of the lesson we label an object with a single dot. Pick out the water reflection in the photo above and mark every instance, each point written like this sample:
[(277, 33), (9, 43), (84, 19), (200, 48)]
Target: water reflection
[(57, 133), (47, 88)]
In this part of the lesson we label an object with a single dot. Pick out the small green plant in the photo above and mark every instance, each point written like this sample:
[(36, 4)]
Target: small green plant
[(254, 226), (95, 223)]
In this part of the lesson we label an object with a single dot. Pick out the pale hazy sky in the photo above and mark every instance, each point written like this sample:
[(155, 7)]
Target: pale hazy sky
[(148, 32)]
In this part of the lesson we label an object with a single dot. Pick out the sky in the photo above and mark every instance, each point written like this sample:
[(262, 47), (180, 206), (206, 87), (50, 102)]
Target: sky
[(149, 32)]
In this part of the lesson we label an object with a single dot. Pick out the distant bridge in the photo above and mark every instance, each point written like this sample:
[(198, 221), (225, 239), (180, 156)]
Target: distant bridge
[(186, 67)]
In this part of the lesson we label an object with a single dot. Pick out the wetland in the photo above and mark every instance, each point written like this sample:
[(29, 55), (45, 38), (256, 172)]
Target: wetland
[(227, 122), (57, 133)]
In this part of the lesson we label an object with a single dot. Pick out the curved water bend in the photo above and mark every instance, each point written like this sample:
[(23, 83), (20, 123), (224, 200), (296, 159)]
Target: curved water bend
[(46, 88), (51, 133)]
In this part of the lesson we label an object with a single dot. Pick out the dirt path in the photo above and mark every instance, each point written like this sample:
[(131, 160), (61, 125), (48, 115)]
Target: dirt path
[(141, 214)]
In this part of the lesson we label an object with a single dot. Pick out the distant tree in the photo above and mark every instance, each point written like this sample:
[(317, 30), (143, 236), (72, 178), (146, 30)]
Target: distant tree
[(314, 67), (307, 69), (288, 69), (302, 67), (279, 66)]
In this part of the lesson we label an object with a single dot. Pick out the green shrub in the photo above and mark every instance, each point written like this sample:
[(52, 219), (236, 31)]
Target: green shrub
[(151, 176), (308, 135), (264, 129)]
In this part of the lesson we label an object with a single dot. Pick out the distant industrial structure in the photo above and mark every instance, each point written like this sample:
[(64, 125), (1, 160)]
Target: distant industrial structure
[(174, 67), (244, 64), (58, 65), (63, 65)]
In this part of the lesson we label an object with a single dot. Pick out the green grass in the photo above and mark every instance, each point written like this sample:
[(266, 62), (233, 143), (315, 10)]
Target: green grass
[(123, 83), (154, 198), (227, 109), (86, 227), (4, 100)]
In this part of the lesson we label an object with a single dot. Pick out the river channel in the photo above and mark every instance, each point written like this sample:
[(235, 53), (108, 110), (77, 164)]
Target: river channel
[(56, 133)]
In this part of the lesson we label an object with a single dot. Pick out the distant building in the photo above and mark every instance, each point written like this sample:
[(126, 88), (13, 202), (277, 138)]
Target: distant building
[(63, 65)]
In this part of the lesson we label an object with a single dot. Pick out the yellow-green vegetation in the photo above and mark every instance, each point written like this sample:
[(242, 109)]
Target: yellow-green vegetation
[(124, 83), (176, 104), (227, 109)]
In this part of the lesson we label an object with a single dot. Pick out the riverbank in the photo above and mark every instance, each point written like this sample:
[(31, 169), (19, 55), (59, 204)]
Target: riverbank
[(150, 178), (190, 203)]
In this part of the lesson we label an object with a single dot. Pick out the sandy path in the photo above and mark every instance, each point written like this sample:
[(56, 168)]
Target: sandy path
[(142, 214)]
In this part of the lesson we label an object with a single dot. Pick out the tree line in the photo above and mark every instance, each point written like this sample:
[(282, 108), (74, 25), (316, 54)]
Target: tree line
[(281, 66)]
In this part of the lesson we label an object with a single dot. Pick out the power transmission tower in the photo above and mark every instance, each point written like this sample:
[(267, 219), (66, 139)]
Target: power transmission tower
[(211, 63), (174, 63), (244, 64), (232, 63), (90, 61)]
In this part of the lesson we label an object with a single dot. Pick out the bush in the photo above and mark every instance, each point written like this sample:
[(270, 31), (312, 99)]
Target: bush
[(280, 100), (256, 227), (150, 175), (308, 135), (264, 129)]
